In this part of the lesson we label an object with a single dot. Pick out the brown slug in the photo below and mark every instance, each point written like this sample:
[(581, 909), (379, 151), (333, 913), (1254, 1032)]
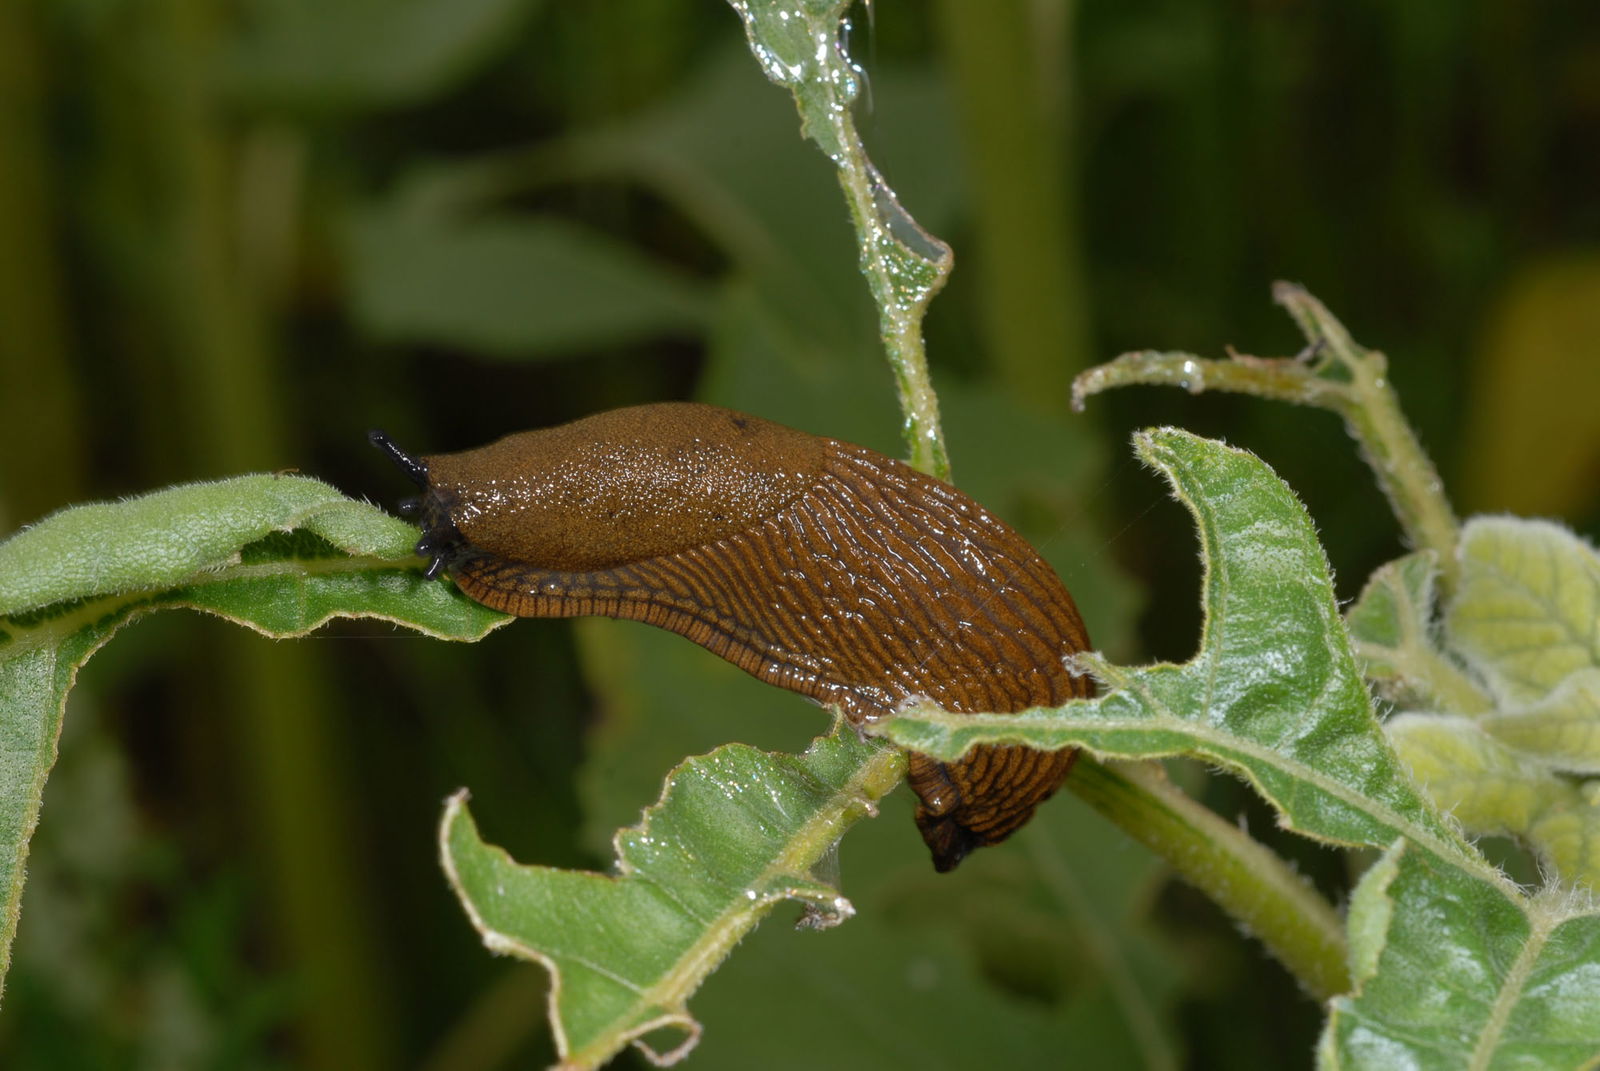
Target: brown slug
[(816, 565)]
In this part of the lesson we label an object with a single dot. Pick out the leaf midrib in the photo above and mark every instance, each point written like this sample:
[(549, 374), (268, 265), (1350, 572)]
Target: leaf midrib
[(673, 989), (1220, 746), (1510, 992)]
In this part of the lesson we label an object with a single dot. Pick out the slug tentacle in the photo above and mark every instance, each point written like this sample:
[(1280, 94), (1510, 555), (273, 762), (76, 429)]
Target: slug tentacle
[(415, 470), (440, 542), (813, 564)]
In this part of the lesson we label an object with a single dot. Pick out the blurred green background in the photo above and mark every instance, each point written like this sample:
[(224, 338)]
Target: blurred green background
[(239, 234)]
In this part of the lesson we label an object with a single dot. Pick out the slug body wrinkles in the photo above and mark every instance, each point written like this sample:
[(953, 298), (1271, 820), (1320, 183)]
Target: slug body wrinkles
[(816, 565)]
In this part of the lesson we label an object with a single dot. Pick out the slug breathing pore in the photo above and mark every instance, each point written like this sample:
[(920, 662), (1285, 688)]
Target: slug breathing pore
[(816, 565)]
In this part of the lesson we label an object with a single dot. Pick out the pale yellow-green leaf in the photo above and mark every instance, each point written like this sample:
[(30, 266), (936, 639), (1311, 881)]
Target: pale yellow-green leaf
[(1392, 632), (1489, 788), (1484, 784), (1566, 835), (1527, 612), (1562, 730)]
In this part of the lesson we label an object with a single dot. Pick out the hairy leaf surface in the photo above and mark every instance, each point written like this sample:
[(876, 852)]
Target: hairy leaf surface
[(1451, 972), (1455, 966), (735, 833), (279, 554), (1528, 612), (1274, 693)]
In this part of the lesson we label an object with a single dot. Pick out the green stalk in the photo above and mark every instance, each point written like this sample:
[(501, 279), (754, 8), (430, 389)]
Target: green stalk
[(1333, 373), (1256, 887), (40, 411), (277, 702), (875, 210), (903, 271), (1017, 128), (799, 46), (1371, 411), (1037, 331)]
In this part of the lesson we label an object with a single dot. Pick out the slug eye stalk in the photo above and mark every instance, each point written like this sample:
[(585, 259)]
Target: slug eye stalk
[(415, 470), (436, 544)]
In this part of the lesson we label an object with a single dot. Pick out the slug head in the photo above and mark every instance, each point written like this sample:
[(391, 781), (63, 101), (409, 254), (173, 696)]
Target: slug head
[(622, 486), (440, 543)]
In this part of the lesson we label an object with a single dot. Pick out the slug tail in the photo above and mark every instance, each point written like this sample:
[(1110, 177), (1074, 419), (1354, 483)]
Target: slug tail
[(981, 798)]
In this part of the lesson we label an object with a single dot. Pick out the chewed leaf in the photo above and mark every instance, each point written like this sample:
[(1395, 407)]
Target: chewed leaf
[(1274, 693), (1489, 788), (279, 554), (801, 45), (1453, 971), (1392, 632), (1562, 729), (735, 833), (1527, 612)]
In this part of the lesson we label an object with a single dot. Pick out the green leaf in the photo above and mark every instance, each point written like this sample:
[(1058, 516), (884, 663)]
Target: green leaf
[(1566, 834), (1456, 972), (1273, 693), (1029, 951), (159, 539), (360, 54), (1489, 788), (1392, 617), (941, 948), (1523, 620), (1562, 729), (1371, 912), (510, 286), (1469, 774), (280, 554), (1392, 632), (735, 833), (1525, 612), (800, 46)]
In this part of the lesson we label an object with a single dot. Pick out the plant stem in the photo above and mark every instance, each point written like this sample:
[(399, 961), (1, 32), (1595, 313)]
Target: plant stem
[(902, 303), (905, 267), (282, 723), (1253, 885), (801, 46), (1013, 58), (1334, 373), (1371, 412), (41, 409)]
